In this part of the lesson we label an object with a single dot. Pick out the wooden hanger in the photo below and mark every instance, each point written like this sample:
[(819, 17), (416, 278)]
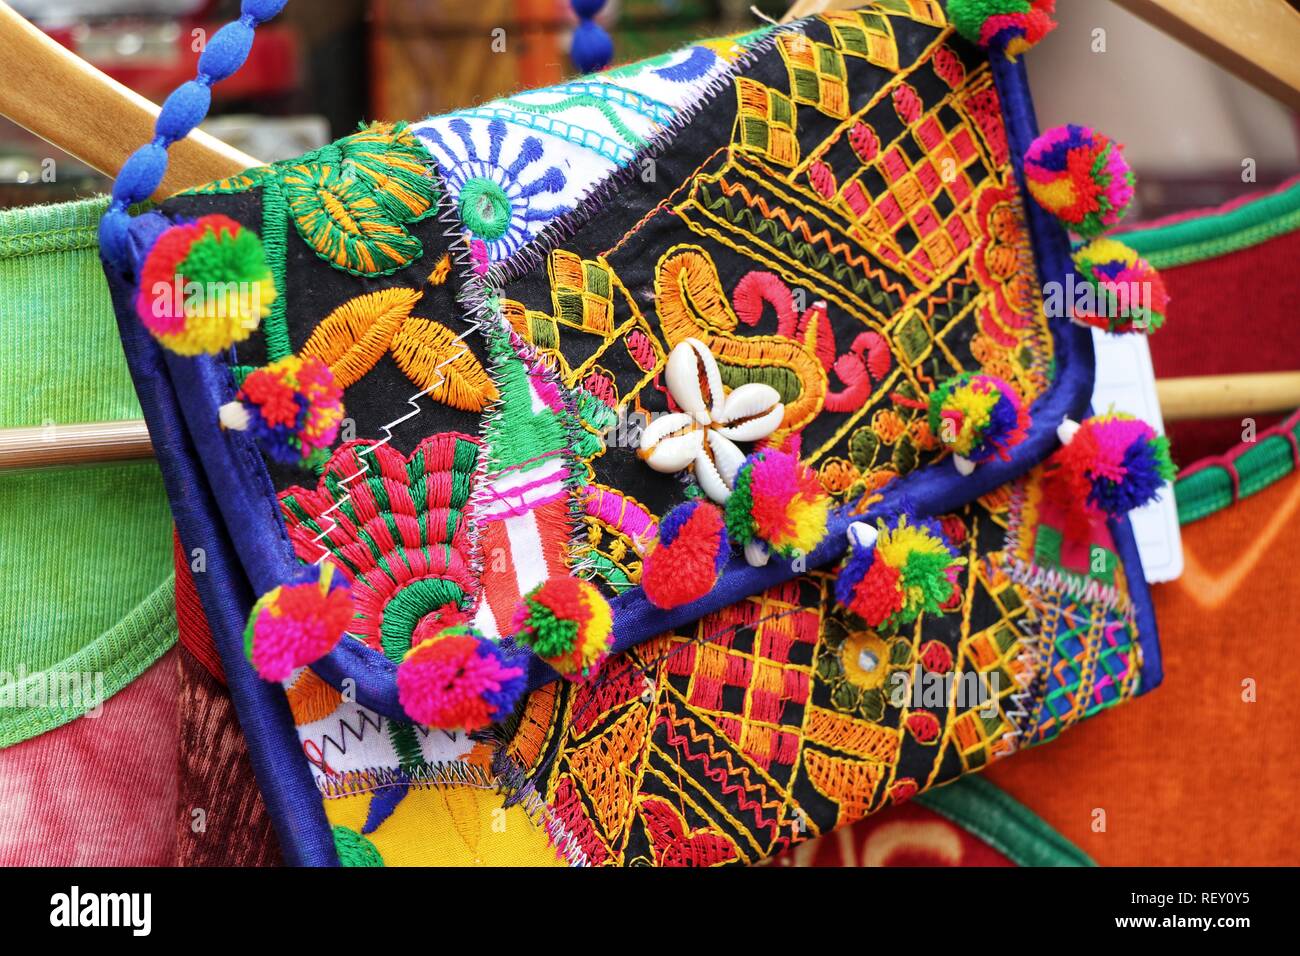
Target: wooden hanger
[(1256, 40), (49, 90), (101, 122)]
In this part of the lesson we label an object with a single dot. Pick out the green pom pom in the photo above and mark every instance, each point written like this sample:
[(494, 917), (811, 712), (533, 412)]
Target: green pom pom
[(738, 513), (219, 259), (551, 635), (968, 16)]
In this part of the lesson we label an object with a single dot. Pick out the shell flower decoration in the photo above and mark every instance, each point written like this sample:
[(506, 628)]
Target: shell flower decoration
[(704, 433)]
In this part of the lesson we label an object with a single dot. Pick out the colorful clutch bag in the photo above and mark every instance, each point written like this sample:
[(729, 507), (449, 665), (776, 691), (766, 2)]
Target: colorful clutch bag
[(695, 455)]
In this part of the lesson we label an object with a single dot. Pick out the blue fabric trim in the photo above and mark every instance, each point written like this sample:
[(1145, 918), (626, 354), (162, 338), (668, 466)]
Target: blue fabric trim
[(1143, 611), (283, 776)]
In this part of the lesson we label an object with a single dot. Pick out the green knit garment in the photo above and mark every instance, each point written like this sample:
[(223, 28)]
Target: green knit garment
[(85, 551)]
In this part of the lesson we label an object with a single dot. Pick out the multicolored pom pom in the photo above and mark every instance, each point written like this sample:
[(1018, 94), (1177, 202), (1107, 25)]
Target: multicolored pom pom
[(1127, 293), (978, 417), (691, 551), (295, 624), (1081, 177), (778, 504), (568, 624), (204, 286), (906, 567), (1110, 463), (293, 407), (1003, 26), (458, 679)]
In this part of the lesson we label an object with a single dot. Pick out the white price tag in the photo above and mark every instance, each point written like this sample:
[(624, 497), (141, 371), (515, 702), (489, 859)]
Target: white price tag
[(1126, 382)]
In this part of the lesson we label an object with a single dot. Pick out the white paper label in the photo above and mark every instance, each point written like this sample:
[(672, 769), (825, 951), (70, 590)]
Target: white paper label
[(1126, 382)]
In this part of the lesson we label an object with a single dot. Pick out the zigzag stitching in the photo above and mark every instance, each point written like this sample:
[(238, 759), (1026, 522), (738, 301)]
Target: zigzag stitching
[(1023, 698), (346, 729), (429, 775), (738, 790), (800, 224), (1056, 582), (951, 295), (765, 221), (459, 252)]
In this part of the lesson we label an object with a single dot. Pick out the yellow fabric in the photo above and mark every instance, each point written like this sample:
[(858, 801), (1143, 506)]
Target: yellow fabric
[(458, 825)]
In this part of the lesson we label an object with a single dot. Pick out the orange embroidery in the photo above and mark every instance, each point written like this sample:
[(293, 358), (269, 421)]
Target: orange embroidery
[(692, 304), (354, 337)]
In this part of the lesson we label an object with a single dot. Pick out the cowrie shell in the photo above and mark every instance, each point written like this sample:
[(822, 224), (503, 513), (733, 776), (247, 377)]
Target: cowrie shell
[(716, 467), (671, 442), (694, 380), (751, 412)]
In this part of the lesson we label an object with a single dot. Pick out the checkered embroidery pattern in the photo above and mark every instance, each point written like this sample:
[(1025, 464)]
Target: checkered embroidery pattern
[(584, 294), (917, 191), (766, 122), (817, 75), (865, 34), (754, 681)]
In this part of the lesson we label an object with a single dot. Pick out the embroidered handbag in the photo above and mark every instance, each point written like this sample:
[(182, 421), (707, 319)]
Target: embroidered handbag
[(716, 443)]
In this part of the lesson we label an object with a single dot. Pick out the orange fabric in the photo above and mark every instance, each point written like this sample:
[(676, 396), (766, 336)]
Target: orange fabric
[(1191, 774)]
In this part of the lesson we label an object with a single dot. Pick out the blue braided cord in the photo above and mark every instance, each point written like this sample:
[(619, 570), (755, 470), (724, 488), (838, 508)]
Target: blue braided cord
[(593, 49), (183, 110)]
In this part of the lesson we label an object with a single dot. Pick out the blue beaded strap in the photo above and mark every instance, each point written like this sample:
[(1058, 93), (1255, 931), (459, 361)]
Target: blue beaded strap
[(184, 109), (592, 47)]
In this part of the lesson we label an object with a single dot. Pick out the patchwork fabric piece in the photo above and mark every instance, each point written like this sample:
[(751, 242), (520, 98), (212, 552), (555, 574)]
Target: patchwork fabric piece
[(784, 717), (850, 250), (516, 165), (366, 207), (825, 220)]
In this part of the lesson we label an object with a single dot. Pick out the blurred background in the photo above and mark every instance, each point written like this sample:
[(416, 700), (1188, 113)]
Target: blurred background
[(1197, 136), (325, 65)]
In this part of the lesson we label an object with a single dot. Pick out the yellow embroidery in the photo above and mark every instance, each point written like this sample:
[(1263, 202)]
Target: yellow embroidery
[(353, 337), (436, 360), (441, 271), (817, 76), (765, 122)]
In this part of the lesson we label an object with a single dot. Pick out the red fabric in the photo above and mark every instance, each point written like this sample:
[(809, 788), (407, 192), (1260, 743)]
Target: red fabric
[(220, 818), (1233, 313), (98, 791), (906, 835), (191, 623)]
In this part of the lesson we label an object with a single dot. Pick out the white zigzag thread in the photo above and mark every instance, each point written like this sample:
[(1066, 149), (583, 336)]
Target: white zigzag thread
[(462, 257), (373, 779), (1053, 581), (1023, 698)]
